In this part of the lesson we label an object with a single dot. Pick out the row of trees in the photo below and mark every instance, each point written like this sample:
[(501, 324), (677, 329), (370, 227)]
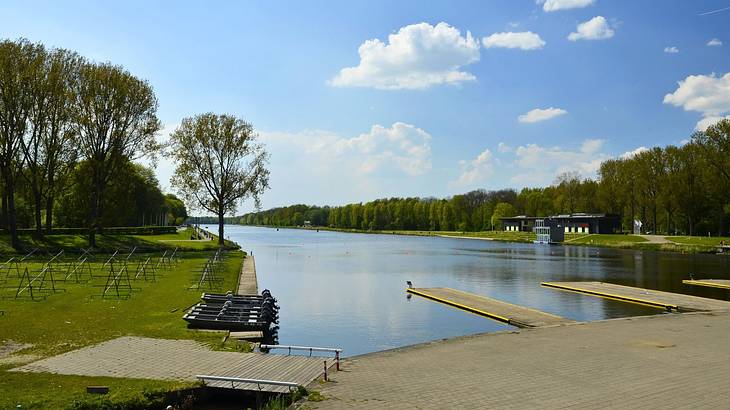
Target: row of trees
[(69, 131), (672, 190)]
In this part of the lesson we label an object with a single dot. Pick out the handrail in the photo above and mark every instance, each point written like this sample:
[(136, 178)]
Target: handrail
[(311, 349), (336, 351), (258, 382)]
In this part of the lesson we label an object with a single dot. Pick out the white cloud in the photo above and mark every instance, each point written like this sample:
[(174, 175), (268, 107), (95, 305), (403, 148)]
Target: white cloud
[(555, 5), (538, 165), (671, 50), (714, 43), (416, 57), (399, 149), (502, 147), (540, 114), (525, 40), (476, 170), (631, 154), (529, 165), (707, 94), (596, 28), (707, 121)]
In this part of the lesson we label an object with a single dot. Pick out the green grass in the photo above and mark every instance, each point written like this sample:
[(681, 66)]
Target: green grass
[(700, 240), (109, 243), (78, 317), (604, 239), (493, 235)]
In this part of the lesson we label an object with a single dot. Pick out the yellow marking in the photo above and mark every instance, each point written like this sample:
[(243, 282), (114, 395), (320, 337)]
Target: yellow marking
[(612, 296), (704, 283), (459, 305), (511, 304)]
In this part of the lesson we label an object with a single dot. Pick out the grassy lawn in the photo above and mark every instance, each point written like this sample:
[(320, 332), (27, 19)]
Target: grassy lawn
[(603, 239), (72, 243), (700, 240), (79, 317)]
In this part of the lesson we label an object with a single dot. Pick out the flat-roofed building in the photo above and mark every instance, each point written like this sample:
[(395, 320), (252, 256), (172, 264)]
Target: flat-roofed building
[(568, 223)]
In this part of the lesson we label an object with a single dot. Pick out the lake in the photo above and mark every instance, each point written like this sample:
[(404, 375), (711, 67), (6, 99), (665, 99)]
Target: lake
[(348, 290)]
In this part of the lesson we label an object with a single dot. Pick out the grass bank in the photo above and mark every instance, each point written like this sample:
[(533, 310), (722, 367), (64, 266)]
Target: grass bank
[(78, 316), (111, 242)]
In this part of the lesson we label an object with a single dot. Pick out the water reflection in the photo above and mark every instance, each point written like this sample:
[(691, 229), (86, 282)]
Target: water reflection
[(348, 289)]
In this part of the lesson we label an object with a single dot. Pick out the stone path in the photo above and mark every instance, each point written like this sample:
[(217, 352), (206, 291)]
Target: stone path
[(161, 359), (669, 361)]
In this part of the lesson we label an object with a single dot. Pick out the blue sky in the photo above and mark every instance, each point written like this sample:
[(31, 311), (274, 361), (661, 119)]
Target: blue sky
[(428, 111)]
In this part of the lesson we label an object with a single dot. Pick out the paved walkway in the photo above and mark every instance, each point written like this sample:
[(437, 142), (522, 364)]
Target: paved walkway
[(161, 359), (247, 282), (655, 238), (667, 361)]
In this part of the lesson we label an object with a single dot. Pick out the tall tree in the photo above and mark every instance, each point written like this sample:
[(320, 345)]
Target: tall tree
[(219, 163), (47, 147), (115, 120), (20, 65)]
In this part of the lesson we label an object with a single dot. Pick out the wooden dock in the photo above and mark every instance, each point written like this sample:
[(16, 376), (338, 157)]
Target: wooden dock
[(247, 282), (515, 315), (712, 283), (665, 300)]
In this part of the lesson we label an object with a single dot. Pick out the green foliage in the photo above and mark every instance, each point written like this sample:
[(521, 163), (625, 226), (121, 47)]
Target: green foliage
[(674, 190), (502, 210), (218, 164), (132, 198)]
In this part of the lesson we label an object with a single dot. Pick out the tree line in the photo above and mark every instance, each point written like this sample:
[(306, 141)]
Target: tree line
[(70, 130), (673, 190)]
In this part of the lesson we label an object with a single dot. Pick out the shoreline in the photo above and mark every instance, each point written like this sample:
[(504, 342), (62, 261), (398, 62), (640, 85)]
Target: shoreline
[(613, 241)]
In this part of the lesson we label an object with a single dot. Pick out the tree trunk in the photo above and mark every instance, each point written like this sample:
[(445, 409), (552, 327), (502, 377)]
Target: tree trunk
[(49, 214), (37, 200), (12, 217), (221, 241), (5, 209)]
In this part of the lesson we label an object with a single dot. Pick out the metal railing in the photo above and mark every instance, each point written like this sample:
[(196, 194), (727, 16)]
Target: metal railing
[(334, 350), (238, 380)]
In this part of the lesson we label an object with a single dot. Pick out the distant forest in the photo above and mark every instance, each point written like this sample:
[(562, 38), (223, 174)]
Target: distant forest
[(672, 190)]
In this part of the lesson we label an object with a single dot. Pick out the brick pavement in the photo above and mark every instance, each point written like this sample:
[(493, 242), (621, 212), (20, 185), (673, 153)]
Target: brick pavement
[(162, 359), (664, 361)]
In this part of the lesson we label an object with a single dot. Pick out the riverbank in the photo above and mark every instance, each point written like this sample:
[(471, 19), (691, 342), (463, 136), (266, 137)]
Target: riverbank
[(677, 244), (110, 242), (76, 315), (662, 361)]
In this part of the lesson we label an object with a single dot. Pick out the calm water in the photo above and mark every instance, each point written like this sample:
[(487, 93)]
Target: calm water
[(347, 290)]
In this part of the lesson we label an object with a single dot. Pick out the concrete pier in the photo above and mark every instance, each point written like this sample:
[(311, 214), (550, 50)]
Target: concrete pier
[(711, 283), (666, 300), (514, 315), (247, 282)]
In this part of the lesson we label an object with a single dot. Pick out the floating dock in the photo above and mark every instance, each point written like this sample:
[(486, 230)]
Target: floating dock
[(665, 300), (515, 315), (711, 283)]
